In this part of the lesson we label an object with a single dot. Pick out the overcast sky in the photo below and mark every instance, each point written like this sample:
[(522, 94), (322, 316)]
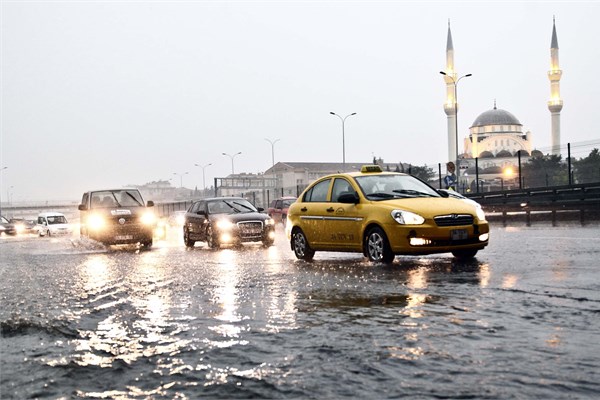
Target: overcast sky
[(109, 93)]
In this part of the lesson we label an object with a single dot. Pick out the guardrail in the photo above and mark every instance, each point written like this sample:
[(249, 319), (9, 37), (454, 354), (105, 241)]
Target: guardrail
[(570, 202)]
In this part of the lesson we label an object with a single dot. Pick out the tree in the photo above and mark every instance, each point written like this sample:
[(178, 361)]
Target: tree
[(548, 170), (424, 173), (587, 170)]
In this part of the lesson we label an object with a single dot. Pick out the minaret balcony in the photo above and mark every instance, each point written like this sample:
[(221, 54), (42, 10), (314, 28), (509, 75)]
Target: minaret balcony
[(555, 75), (555, 105)]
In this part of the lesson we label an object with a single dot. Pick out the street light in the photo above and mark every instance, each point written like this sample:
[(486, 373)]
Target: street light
[(203, 178), (232, 156), (272, 150), (343, 138), (455, 83), (180, 177)]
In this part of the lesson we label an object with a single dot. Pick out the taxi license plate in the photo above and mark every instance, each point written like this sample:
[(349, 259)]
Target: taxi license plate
[(459, 234), (123, 237)]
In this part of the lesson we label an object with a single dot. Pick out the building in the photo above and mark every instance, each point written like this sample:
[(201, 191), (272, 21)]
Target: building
[(496, 140)]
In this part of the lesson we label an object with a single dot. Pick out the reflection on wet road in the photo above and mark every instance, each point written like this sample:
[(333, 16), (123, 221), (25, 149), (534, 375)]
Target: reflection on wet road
[(81, 321)]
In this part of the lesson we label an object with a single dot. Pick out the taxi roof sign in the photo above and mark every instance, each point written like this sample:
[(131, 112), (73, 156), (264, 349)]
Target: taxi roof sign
[(370, 168)]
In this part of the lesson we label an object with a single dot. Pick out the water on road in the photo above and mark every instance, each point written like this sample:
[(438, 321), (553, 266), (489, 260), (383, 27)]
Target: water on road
[(520, 321)]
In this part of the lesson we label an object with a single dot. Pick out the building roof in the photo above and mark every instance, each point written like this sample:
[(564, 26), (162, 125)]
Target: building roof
[(496, 116)]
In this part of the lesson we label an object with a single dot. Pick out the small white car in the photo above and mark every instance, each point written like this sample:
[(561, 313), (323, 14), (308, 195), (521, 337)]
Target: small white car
[(52, 223)]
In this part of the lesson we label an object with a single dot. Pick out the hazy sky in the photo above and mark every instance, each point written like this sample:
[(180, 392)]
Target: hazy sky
[(110, 93)]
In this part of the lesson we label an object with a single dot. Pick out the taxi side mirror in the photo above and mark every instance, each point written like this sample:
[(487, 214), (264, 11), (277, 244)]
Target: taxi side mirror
[(349, 198)]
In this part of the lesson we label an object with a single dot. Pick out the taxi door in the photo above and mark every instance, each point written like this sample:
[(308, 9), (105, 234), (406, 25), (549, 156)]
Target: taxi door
[(312, 213), (342, 222)]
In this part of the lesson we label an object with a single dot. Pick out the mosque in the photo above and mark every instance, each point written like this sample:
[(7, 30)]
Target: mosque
[(496, 138)]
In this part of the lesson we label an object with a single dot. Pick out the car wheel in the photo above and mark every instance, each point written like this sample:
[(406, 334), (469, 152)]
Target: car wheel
[(186, 238), (268, 242), (211, 240), (301, 247), (464, 254), (378, 246), (284, 220), (147, 243), (48, 233)]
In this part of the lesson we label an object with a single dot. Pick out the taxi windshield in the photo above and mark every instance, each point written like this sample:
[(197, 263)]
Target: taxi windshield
[(393, 186)]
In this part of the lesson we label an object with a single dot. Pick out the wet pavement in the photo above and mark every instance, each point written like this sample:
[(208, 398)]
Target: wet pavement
[(520, 321)]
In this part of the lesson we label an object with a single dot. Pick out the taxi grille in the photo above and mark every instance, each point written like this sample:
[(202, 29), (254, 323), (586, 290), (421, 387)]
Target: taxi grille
[(453, 220)]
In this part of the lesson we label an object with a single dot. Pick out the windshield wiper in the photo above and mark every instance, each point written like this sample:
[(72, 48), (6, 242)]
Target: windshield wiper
[(413, 192), (381, 195)]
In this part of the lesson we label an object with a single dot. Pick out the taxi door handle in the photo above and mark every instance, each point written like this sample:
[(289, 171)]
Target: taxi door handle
[(304, 209), (330, 209)]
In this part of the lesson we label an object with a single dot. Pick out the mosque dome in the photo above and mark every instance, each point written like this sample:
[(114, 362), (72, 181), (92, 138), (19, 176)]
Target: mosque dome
[(496, 117)]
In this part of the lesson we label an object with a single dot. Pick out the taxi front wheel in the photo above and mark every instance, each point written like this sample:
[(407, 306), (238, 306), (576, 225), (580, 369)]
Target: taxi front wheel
[(464, 254), (301, 247), (378, 246)]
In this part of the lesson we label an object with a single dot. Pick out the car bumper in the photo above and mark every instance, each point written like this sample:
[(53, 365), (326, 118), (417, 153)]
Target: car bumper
[(424, 239), (118, 235)]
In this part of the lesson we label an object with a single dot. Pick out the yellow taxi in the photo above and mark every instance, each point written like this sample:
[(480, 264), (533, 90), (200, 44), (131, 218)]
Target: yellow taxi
[(383, 214)]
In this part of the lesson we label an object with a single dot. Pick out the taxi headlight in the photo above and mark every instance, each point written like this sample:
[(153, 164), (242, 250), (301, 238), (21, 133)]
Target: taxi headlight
[(96, 222), (148, 218), (224, 224), (480, 213), (407, 218)]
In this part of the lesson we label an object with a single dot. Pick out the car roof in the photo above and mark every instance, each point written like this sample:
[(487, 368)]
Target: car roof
[(222, 198), (111, 190), (51, 214)]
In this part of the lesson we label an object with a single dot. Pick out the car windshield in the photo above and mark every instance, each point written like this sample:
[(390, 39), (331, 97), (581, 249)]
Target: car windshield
[(287, 203), (230, 206), (56, 219), (393, 186), (116, 198), (3, 220)]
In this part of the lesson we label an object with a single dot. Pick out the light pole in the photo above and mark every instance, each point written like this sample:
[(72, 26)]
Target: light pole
[(232, 156), (455, 83), (180, 177), (343, 137), (203, 177), (272, 150)]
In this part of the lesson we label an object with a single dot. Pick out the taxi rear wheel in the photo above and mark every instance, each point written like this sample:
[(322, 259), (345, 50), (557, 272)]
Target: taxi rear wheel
[(301, 247), (378, 246)]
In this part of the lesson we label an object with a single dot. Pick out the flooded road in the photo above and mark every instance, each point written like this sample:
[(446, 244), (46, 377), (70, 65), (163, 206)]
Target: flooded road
[(520, 321)]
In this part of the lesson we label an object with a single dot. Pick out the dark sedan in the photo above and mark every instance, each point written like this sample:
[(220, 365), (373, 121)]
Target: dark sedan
[(227, 220)]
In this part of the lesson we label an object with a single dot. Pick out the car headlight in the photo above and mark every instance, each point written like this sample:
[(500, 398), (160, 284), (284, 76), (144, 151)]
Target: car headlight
[(407, 218), (180, 219), (480, 213), (224, 224), (148, 218), (96, 222), (269, 221)]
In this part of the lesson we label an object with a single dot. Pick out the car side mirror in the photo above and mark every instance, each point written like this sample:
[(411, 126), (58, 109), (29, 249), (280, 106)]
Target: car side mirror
[(150, 203), (443, 193), (82, 207), (349, 198), (260, 209)]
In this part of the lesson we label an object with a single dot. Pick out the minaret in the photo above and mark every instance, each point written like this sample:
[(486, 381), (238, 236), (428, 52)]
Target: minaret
[(450, 101), (555, 104)]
